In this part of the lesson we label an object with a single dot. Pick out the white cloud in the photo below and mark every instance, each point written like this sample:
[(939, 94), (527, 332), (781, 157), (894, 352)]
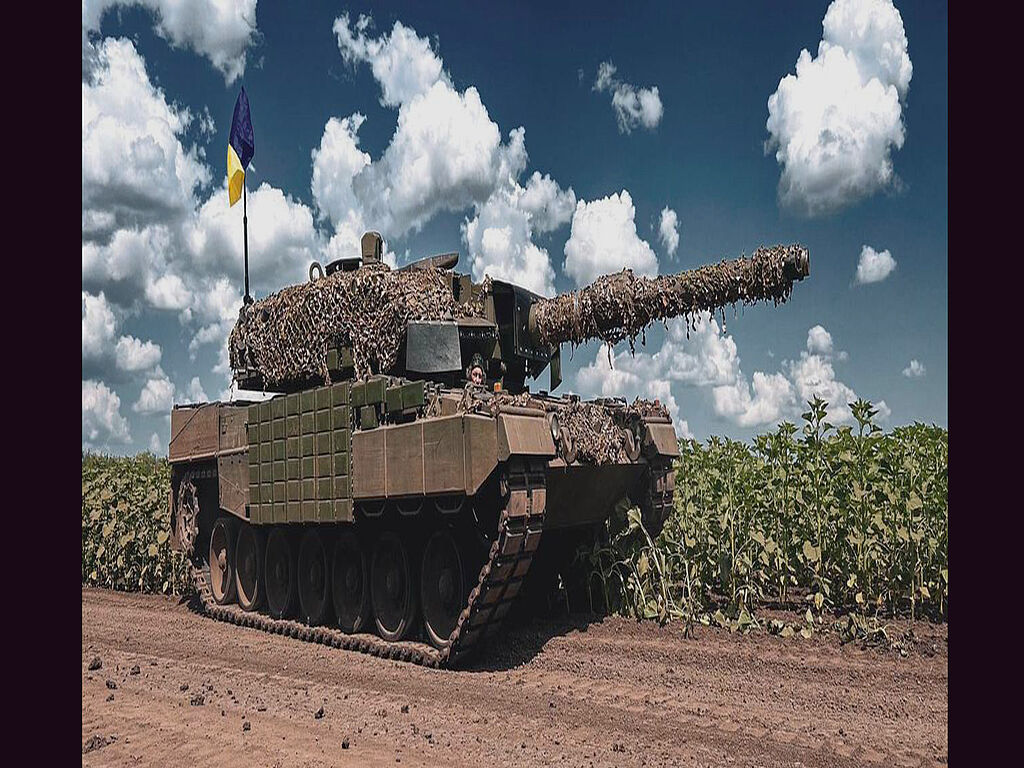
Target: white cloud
[(709, 360), (135, 170), (98, 326), (102, 422), (157, 445), (500, 237), (771, 399), (874, 266), (915, 370), (603, 240), (668, 230), (446, 154), (813, 375), (819, 341), (547, 204), (404, 63), (633, 106), (834, 123), (220, 30), (157, 396), (99, 348), (131, 354), (282, 240), (336, 162), (196, 393)]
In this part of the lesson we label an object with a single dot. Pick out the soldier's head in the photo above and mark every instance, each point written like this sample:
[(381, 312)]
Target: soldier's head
[(476, 369)]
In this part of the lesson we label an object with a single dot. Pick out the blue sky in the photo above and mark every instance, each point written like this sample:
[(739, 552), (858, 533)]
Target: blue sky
[(860, 127)]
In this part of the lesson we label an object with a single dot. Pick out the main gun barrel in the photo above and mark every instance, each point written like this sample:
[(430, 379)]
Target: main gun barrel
[(620, 306)]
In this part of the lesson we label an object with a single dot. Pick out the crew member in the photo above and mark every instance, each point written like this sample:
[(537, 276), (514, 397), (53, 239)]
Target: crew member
[(476, 370)]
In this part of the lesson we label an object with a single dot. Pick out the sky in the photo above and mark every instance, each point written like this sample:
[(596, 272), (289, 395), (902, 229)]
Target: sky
[(548, 146)]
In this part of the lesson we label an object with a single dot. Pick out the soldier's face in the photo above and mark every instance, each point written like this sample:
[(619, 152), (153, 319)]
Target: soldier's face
[(477, 375)]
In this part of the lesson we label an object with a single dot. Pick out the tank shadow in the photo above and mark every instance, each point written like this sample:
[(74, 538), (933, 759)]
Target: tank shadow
[(524, 636)]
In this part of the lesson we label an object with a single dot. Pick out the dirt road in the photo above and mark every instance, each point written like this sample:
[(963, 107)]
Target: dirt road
[(191, 691)]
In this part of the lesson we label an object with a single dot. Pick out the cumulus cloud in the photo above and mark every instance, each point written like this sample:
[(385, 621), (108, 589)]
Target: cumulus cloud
[(282, 239), (708, 360), (446, 154), (196, 393), (633, 106), (813, 376), (102, 422), (819, 341), (157, 445), (135, 169), (98, 326), (874, 266), (500, 236), (668, 230), (219, 30), (99, 348), (131, 354), (764, 400), (404, 63), (915, 370), (833, 125), (157, 396), (603, 240)]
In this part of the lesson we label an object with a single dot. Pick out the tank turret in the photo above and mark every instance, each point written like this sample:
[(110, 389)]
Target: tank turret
[(427, 321)]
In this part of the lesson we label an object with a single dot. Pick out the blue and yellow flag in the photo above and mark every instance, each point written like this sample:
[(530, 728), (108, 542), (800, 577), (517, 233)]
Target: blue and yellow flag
[(241, 147)]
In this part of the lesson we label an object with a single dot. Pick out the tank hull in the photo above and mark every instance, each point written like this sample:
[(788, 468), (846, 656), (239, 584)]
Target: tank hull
[(444, 495)]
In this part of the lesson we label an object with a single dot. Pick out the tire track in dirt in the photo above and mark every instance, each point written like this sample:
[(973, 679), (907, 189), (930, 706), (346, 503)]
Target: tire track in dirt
[(553, 692)]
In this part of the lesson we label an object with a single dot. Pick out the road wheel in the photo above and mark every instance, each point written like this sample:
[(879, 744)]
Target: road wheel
[(314, 580), (279, 568), (350, 586), (222, 560), (392, 591), (249, 579), (443, 587)]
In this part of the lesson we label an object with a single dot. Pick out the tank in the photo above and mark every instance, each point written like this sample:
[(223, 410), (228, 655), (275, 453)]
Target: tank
[(408, 481)]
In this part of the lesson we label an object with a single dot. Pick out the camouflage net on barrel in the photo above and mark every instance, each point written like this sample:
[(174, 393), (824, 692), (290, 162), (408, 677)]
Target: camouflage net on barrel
[(286, 336), (621, 306)]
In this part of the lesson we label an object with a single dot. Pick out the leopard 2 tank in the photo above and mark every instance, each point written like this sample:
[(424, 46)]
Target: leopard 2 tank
[(381, 500)]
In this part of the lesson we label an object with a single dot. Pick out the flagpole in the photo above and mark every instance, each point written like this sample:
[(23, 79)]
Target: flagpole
[(245, 236)]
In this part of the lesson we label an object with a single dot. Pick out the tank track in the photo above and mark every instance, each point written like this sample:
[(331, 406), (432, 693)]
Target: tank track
[(520, 524)]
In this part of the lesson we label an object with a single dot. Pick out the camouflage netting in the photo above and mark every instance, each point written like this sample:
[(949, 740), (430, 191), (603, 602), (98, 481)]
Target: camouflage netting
[(597, 430), (598, 440), (620, 306), (285, 337)]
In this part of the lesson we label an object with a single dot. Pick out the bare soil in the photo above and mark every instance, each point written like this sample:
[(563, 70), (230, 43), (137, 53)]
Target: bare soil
[(571, 691)]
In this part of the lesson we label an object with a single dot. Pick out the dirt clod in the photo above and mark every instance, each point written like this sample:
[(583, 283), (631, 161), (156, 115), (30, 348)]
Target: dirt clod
[(96, 663), (135, 670), (344, 744), (246, 725), (319, 713), (198, 700), (111, 685), (97, 742)]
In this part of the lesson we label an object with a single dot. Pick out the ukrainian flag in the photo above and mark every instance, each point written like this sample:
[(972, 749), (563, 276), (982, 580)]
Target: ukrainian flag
[(241, 147)]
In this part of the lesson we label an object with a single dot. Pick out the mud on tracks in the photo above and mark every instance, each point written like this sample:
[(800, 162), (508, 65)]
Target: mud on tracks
[(567, 692)]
